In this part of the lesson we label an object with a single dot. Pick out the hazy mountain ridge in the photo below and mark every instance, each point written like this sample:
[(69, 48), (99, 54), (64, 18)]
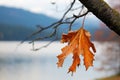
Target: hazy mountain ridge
[(16, 24), (23, 17)]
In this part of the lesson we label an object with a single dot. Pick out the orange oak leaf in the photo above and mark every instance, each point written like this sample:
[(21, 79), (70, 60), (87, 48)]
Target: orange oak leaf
[(78, 44)]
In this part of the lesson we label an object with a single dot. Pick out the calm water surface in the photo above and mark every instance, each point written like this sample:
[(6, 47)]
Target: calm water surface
[(21, 63)]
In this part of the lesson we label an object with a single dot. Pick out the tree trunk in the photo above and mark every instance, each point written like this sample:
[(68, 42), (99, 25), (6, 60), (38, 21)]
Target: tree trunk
[(104, 12)]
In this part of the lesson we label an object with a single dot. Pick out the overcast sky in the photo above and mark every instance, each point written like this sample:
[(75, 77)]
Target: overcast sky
[(39, 6)]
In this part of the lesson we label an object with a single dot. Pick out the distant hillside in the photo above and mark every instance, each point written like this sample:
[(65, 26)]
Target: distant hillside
[(16, 24), (14, 32), (22, 17)]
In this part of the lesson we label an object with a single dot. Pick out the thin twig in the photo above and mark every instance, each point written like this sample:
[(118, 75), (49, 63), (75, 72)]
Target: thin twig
[(69, 21), (42, 38), (36, 49), (69, 9), (83, 21)]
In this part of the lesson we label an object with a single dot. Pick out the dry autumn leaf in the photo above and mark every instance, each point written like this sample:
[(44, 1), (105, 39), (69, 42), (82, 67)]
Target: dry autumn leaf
[(78, 44)]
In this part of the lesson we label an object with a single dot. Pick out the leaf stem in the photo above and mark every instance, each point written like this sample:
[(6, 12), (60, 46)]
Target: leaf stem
[(83, 21)]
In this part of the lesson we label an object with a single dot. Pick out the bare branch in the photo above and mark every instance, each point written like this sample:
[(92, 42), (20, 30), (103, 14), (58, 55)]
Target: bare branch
[(69, 21)]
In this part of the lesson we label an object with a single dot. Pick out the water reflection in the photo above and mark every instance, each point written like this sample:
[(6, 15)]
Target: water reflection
[(23, 64)]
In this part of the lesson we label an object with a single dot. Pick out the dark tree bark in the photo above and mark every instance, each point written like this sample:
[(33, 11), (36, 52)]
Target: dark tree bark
[(104, 12)]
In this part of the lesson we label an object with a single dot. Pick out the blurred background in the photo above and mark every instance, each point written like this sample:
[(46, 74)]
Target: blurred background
[(20, 18)]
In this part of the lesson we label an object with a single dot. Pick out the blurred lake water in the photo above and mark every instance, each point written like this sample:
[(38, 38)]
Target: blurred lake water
[(19, 62)]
